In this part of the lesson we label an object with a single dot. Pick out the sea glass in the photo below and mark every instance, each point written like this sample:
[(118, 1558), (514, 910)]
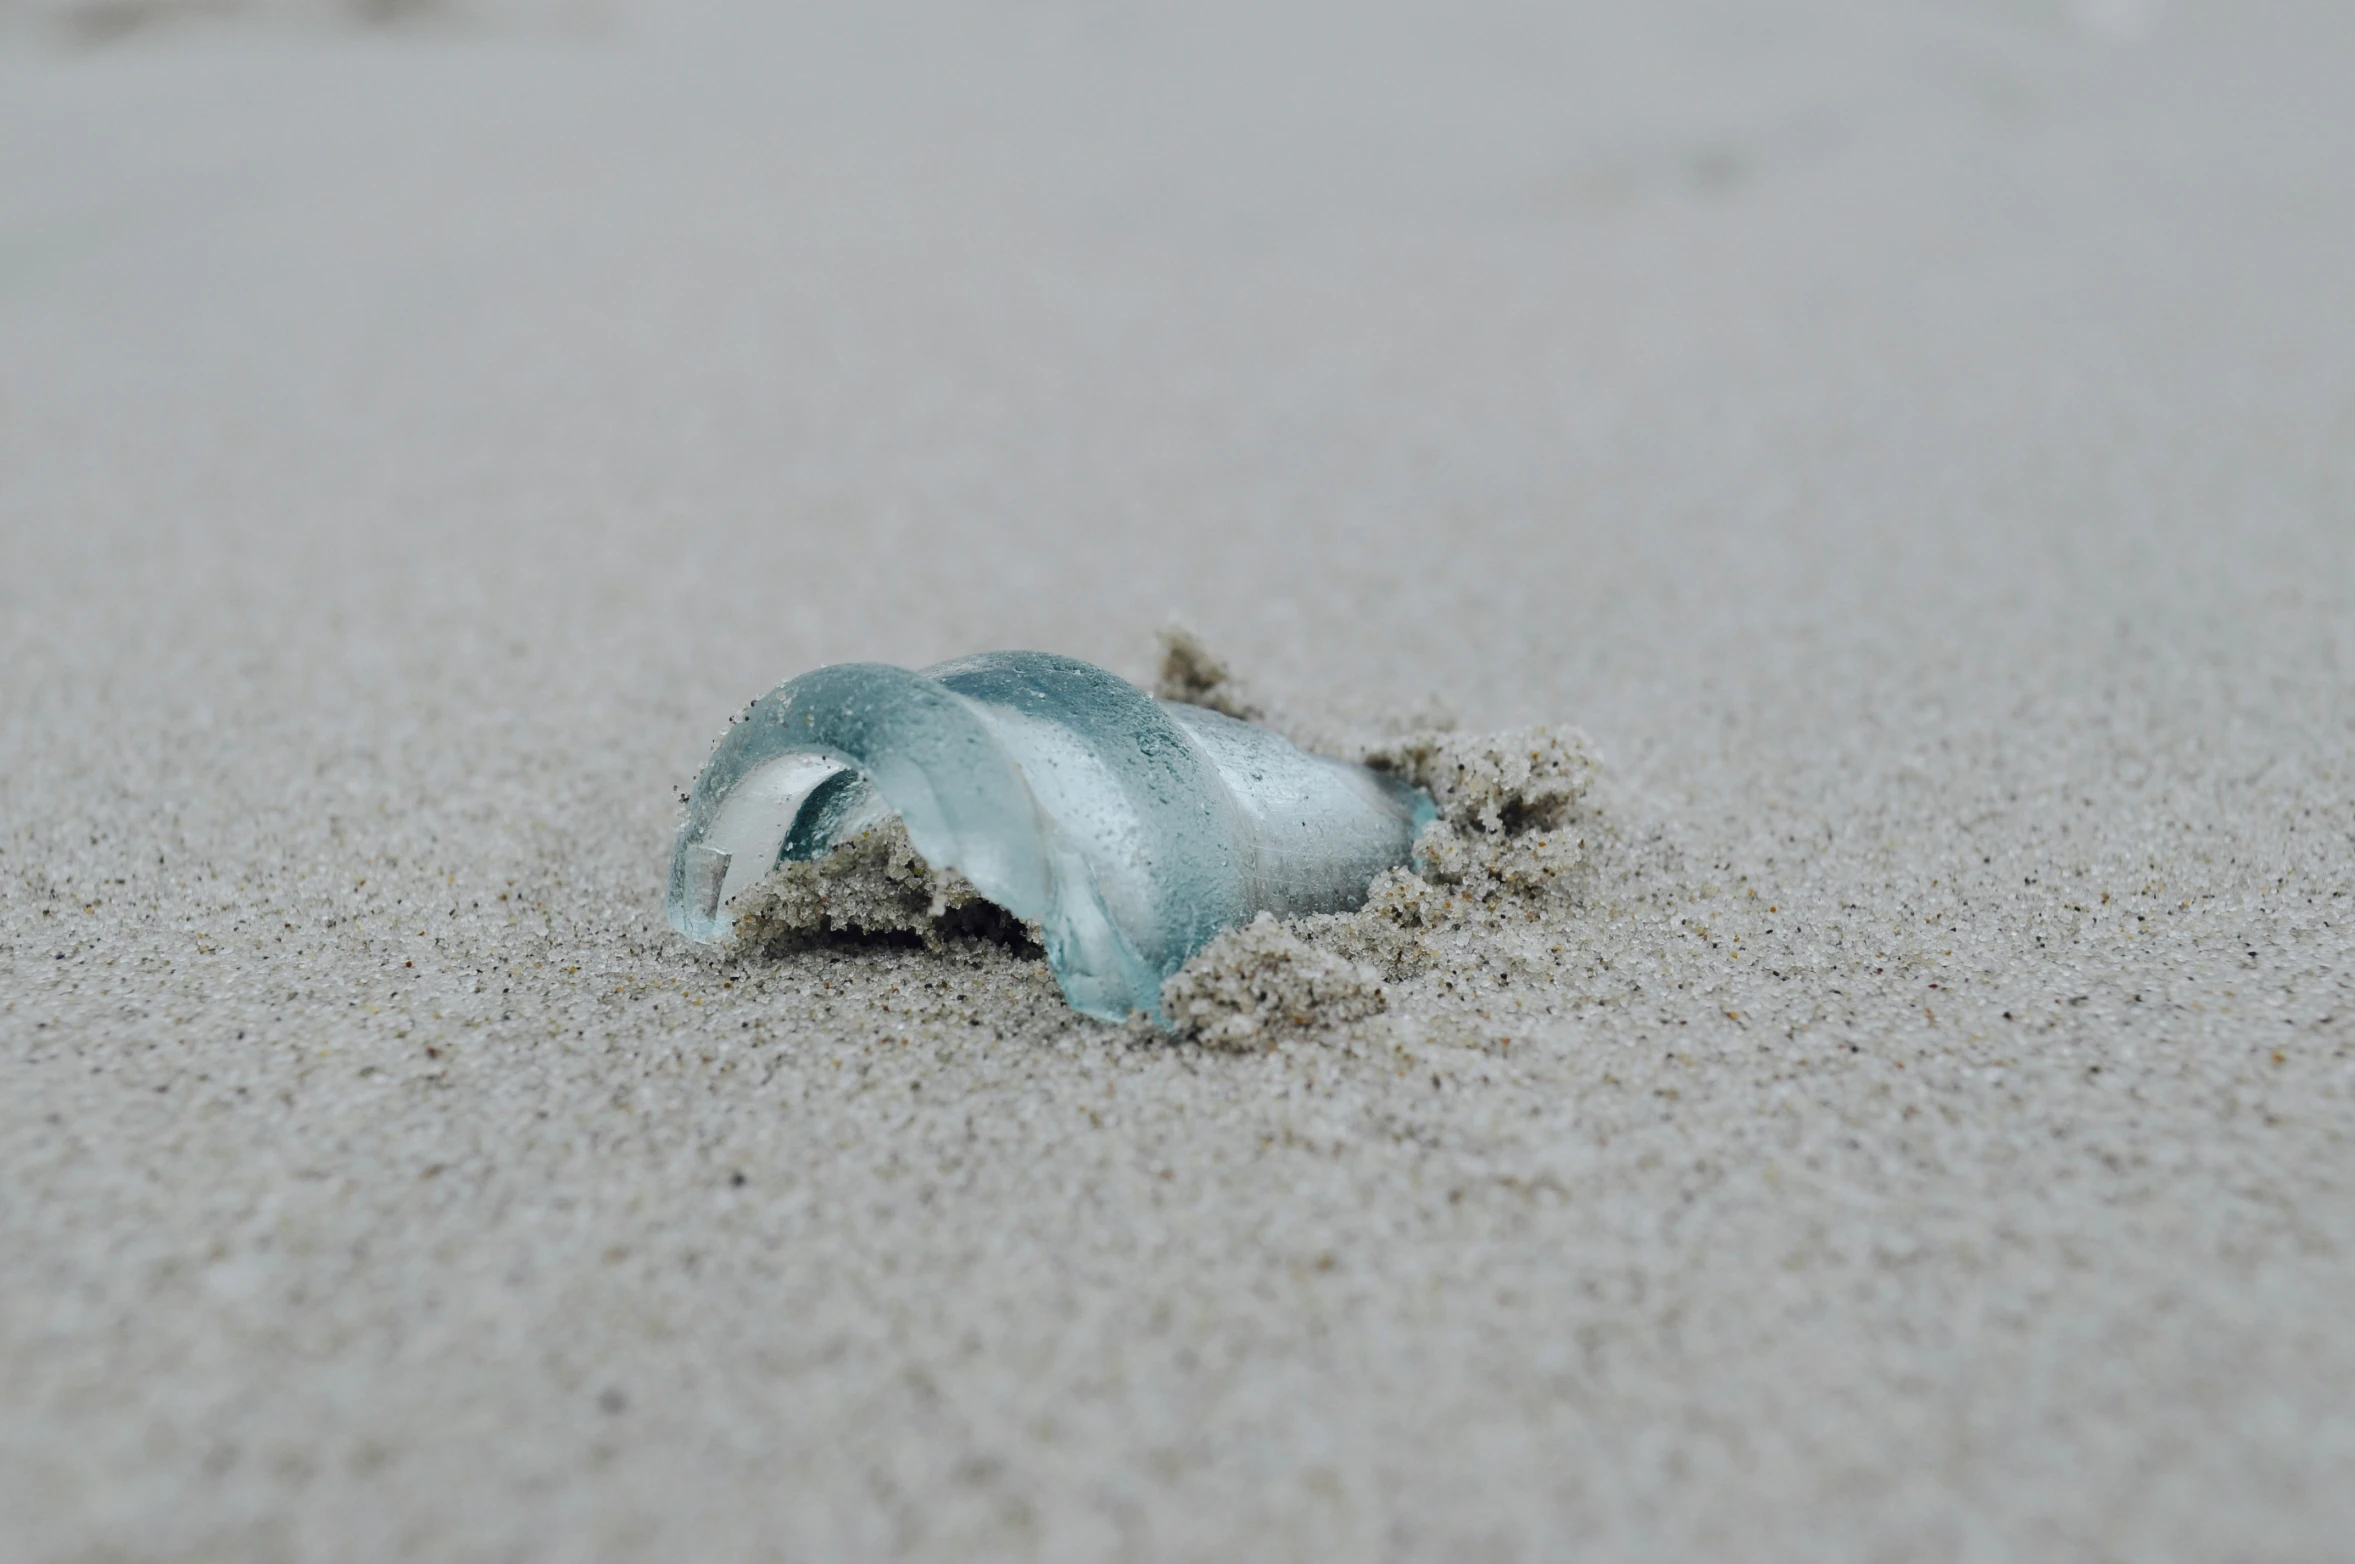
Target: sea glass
[(1128, 831)]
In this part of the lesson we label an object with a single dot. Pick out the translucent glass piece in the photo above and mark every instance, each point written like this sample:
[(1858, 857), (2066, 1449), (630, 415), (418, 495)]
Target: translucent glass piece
[(1128, 830)]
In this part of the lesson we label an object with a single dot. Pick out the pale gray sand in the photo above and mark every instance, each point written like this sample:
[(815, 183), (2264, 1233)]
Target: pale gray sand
[(1916, 442)]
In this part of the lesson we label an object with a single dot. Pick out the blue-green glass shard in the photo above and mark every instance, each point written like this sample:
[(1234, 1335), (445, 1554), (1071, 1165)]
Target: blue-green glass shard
[(1129, 831)]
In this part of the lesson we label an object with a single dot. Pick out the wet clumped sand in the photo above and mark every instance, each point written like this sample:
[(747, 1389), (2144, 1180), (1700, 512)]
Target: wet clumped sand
[(1262, 983), (875, 886)]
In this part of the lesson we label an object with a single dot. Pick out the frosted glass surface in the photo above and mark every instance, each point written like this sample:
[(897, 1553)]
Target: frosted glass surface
[(1129, 830)]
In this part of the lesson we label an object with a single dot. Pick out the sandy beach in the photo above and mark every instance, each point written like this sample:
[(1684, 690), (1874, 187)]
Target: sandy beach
[(1916, 443)]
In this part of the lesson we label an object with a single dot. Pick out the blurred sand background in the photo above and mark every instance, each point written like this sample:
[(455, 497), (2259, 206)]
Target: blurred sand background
[(1916, 441)]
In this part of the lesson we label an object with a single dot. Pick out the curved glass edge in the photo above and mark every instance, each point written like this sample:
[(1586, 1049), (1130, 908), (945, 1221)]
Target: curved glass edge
[(1130, 831), (964, 804), (775, 788)]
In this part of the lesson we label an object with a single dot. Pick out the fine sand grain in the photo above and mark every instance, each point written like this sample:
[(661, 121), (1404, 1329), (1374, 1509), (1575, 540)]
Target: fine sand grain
[(1915, 443)]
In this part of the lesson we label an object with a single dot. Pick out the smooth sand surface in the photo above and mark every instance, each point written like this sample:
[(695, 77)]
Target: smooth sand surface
[(1916, 441)]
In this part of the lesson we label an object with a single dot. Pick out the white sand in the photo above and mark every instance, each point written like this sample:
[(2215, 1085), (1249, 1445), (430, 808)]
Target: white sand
[(1916, 441)]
